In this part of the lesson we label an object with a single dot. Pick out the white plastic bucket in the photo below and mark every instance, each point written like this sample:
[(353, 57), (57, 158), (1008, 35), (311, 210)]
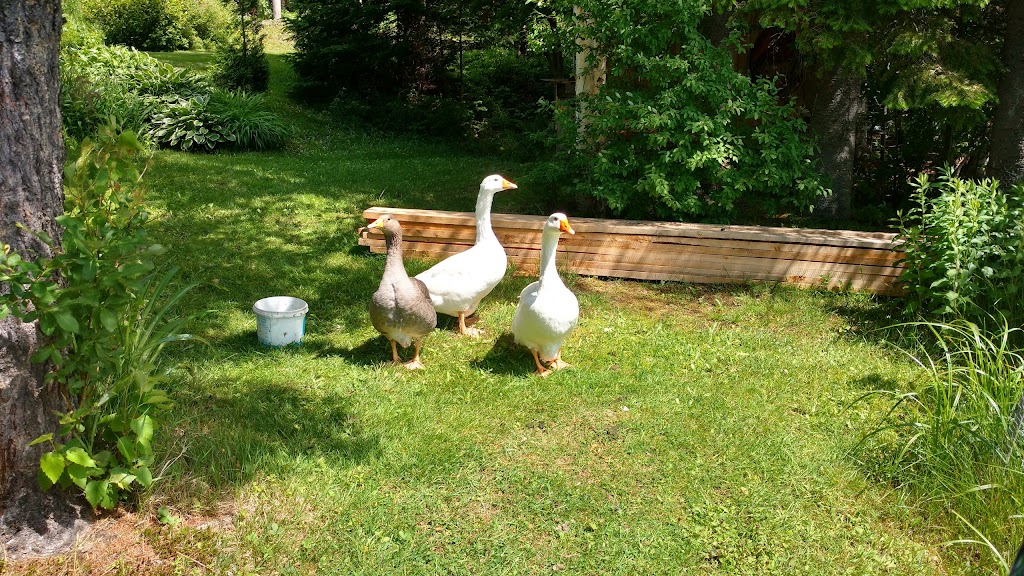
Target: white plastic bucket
[(280, 320)]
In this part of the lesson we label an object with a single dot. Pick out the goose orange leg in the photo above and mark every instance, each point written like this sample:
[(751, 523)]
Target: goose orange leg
[(415, 363), (464, 330), (394, 353), (541, 370), (558, 363)]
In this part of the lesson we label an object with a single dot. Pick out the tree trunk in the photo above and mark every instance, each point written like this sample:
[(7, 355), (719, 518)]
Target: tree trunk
[(276, 4), (1007, 150), (31, 162), (715, 25), (834, 114)]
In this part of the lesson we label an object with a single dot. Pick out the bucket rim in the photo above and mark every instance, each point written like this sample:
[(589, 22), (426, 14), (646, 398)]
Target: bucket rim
[(280, 307)]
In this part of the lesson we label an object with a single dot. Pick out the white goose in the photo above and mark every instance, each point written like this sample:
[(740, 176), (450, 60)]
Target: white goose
[(547, 310), (458, 283)]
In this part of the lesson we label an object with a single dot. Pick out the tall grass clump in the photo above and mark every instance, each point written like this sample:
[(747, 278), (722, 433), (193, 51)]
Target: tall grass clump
[(246, 118), (964, 243), (956, 439)]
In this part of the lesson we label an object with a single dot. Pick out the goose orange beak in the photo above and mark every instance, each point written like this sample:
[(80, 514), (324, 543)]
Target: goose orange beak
[(563, 225), (378, 223), (506, 185)]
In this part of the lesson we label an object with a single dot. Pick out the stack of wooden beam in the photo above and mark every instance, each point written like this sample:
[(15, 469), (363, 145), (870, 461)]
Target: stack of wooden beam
[(665, 250)]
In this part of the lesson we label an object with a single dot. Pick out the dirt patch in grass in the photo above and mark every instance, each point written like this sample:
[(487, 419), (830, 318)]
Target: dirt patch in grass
[(129, 544), (672, 299)]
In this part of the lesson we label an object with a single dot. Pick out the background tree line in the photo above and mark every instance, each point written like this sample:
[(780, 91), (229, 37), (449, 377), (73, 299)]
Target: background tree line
[(710, 110)]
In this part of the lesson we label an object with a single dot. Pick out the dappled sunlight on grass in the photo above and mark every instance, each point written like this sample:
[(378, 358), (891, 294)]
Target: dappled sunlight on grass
[(700, 429)]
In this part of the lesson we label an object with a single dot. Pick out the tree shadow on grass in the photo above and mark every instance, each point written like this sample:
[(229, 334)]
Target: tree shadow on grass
[(267, 427), (877, 383)]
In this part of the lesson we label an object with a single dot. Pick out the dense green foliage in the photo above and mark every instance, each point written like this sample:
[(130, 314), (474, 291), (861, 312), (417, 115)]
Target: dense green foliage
[(964, 243), (172, 106), (676, 133), (441, 69), (242, 63), (217, 120), (955, 437), (160, 24), (930, 71), (106, 310), (246, 118), (78, 31), (101, 82)]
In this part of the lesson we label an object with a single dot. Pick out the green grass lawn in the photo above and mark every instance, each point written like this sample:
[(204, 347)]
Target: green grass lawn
[(702, 430)]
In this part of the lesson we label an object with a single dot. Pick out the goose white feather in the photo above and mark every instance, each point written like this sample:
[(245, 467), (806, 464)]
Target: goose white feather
[(547, 311), (458, 283)]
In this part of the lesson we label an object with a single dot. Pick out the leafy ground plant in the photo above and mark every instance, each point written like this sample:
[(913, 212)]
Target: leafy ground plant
[(964, 243), (957, 438), (108, 315)]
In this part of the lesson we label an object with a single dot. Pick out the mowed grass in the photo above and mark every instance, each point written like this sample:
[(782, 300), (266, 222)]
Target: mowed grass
[(702, 430)]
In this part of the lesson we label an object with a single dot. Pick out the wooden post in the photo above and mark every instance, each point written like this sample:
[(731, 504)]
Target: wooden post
[(277, 9)]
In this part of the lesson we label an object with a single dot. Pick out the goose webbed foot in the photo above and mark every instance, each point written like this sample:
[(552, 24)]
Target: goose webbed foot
[(415, 363), (467, 331), (542, 371)]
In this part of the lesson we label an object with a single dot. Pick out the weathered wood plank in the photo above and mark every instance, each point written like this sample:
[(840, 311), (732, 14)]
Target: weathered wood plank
[(877, 240), (737, 269), (666, 250), (613, 243)]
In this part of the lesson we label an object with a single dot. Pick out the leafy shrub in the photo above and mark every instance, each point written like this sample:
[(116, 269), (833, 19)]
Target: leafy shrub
[(676, 132), (221, 119), (108, 317), (78, 31), (187, 124), (242, 65), (964, 243), (505, 89), (248, 70), (956, 439), (244, 117), (160, 24), (100, 82)]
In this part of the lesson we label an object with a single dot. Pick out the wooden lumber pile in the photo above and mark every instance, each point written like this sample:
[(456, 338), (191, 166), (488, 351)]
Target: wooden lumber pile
[(664, 250)]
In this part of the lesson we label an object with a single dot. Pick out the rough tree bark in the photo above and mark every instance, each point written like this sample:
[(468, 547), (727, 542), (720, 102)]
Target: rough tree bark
[(1006, 155), (834, 114), (31, 162)]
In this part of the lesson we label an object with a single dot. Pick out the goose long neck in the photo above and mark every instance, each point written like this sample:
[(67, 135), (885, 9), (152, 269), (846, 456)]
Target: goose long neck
[(483, 217), (548, 248), (393, 266)]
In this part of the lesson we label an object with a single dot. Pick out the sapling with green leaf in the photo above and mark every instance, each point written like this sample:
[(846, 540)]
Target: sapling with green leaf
[(107, 311)]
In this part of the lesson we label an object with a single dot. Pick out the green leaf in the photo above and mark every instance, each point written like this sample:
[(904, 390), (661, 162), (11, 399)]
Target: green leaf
[(44, 481), (124, 446), (144, 476), (80, 457), (52, 464), (66, 321), (96, 492), (121, 478), (143, 428), (165, 517), (108, 319), (44, 438)]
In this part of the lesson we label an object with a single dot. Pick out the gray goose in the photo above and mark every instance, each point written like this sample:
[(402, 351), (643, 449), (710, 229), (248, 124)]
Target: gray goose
[(400, 309)]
